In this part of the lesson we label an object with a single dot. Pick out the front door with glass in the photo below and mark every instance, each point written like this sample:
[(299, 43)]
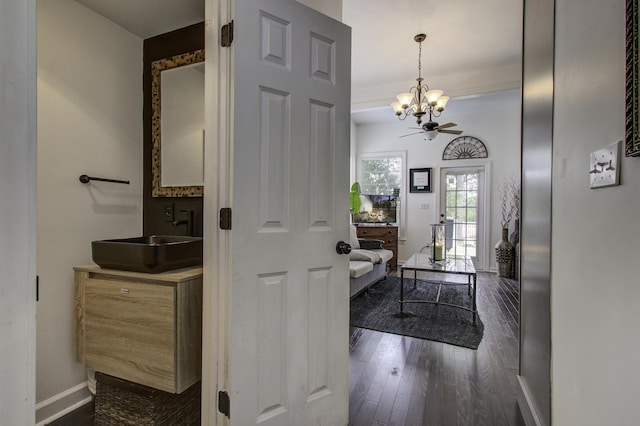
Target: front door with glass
[(462, 204)]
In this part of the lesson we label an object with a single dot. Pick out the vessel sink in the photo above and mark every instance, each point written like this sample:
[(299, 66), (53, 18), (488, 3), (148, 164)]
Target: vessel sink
[(153, 254)]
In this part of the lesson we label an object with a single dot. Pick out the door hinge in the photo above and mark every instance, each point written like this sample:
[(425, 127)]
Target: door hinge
[(225, 218), (224, 403), (226, 34)]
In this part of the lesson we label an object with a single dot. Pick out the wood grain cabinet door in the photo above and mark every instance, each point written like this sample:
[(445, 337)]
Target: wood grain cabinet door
[(130, 331)]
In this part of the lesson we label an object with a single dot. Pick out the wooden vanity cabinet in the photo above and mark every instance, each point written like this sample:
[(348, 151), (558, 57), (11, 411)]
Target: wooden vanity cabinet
[(144, 328), (387, 233)]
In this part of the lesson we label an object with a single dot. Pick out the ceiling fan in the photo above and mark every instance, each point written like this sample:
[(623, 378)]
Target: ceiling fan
[(431, 129)]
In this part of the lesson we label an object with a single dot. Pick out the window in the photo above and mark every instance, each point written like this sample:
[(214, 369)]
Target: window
[(382, 186), (381, 176)]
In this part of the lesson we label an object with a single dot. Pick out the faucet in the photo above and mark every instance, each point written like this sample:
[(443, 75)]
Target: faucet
[(188, 220)]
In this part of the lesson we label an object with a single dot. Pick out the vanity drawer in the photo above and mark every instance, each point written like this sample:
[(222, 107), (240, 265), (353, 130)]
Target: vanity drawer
[(130, 331)]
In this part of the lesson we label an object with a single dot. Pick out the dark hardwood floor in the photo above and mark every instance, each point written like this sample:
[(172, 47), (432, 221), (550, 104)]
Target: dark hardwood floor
[(396, 380)]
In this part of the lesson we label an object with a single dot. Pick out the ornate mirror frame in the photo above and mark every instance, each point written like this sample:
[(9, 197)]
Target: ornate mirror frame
[(156, 68), (632, 119)]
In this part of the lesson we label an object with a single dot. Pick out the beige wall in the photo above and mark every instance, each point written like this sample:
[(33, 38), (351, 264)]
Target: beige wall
[(595, 291), (89, 122)]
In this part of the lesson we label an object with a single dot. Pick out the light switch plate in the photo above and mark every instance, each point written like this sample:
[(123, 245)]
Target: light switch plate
[(604, 166)]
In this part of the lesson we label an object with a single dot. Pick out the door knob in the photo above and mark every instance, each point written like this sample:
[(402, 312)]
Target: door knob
[(343, 248)]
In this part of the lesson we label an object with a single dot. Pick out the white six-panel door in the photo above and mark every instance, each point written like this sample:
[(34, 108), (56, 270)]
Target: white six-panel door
[(288, 355)]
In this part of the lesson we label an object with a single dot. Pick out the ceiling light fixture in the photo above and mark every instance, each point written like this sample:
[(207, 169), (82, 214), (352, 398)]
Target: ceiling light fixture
[(420, 100)]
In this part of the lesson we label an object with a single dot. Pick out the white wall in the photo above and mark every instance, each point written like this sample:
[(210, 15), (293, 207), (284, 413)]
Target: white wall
[(353, 147), (493, 118), (595, 291), (89, 122)]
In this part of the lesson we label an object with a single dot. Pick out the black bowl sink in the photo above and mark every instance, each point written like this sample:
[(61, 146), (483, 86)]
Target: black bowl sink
[(154, 253)]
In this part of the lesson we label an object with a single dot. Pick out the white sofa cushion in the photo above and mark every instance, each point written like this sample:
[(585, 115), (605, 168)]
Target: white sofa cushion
[(365, 256), (384, 255), (373, 256), (358, 268)]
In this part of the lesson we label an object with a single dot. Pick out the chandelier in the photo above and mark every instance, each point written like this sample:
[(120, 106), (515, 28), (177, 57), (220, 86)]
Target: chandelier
[(420, 100)]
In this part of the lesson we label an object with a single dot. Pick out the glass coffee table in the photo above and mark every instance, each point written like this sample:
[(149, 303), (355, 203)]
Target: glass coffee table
[(457, 266)]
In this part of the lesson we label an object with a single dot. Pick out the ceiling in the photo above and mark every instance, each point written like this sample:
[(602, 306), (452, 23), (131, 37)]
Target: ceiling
[(148, 18), (472, 47)]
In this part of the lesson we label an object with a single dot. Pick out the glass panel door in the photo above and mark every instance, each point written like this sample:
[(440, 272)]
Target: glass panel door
[(462, 203)]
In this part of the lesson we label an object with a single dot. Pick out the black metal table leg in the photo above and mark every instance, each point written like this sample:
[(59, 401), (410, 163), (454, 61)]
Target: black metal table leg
[(401, 290), (475, 308)]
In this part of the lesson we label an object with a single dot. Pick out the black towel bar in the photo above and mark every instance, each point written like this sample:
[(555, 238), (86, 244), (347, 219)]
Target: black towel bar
[(87, 179)]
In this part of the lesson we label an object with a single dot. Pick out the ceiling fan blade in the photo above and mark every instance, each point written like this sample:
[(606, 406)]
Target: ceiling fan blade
[(452, 132), (410, 134), (415, 128), (445, 125)]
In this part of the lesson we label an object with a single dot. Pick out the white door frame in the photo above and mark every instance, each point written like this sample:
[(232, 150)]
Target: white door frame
[(486, 222), (18, 211), (218, 169)]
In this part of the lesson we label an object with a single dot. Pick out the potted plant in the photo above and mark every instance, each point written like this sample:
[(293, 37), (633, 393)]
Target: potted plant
[(354, 200)]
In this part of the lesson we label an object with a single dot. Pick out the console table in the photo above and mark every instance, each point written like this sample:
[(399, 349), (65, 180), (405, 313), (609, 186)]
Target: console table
[(458, 266)]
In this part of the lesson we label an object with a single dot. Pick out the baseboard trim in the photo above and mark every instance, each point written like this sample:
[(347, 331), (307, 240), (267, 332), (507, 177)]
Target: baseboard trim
[(63, 403), (525, 402)]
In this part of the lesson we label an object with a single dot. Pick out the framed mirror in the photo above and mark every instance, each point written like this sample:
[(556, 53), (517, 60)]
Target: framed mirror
[(177, 125)]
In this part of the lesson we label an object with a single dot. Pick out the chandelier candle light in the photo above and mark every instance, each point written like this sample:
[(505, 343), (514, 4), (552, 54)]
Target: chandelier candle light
[(420, 100)]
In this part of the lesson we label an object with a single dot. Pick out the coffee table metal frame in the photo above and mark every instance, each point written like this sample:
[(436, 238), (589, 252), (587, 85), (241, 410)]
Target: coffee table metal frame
[(459, 266)]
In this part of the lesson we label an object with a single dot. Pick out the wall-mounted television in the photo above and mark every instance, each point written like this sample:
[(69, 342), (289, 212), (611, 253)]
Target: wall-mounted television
[(377, 209)]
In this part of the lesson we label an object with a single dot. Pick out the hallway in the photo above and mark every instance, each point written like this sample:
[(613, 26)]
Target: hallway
[(396, 380)]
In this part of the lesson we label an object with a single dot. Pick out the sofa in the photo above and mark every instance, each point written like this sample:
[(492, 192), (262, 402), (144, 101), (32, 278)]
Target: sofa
[(367, 263)]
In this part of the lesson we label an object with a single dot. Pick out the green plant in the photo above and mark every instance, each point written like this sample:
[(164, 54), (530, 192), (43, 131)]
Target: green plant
[(354, 201)]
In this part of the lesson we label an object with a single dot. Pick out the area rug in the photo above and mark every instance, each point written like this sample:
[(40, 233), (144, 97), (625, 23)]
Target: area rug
[(378, 309)]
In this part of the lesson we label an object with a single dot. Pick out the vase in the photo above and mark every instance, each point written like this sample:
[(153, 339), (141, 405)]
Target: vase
[(517, 262), (514, 238), (504, 255)]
